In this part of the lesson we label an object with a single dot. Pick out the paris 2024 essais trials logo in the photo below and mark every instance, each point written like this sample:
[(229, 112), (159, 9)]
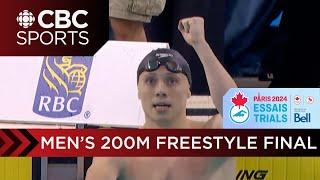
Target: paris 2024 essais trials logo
[(239, 112)]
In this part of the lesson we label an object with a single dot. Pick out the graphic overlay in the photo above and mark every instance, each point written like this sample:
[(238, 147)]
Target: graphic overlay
[(62, 86), (272, 108), (53, 27), (16, 142), (239, 113), (159, 142)]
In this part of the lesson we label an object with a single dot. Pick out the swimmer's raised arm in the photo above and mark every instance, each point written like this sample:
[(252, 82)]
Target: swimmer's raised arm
[(219, 80)]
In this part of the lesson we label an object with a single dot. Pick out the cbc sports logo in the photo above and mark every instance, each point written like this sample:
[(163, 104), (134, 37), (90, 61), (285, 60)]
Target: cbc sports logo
[(25, 19), (239, 113), (62, 86), (56, 25)]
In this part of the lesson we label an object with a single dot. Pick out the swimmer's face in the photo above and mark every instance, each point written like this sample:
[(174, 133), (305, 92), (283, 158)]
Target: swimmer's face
[(163, 95)]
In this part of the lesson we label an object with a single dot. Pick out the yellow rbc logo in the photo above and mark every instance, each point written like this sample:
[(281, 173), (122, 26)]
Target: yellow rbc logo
[(75, 74), (62, 86)]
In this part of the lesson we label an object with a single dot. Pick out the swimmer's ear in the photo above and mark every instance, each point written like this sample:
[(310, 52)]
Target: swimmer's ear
[(189, 93), (139, 94)]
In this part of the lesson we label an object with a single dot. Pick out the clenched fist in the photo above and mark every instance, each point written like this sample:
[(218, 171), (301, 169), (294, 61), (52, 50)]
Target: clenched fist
[(192, 30)]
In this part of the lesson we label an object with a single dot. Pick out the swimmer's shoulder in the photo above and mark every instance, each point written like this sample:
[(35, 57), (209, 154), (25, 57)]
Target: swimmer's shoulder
[(103, 168)]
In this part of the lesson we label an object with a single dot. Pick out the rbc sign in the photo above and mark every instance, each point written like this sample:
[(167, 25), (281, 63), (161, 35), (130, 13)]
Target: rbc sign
[(62, 86)]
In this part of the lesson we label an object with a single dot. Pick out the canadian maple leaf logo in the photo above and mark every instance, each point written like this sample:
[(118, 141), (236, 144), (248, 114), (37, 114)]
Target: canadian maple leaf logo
[(239, 100)]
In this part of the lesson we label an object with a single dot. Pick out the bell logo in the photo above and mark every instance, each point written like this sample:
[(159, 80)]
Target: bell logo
[(62, 85), (304, 118)]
